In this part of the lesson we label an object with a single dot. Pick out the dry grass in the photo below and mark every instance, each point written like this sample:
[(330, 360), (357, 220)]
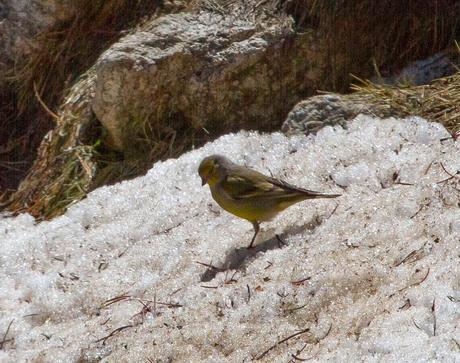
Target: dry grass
[(77, 158), (361, 37), (60, 56), (439, 101)]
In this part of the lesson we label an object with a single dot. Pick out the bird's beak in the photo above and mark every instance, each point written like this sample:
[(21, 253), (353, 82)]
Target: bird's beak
[(204, 180)]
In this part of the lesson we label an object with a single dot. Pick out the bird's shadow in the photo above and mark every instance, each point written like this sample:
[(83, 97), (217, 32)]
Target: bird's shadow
[(239, 257)]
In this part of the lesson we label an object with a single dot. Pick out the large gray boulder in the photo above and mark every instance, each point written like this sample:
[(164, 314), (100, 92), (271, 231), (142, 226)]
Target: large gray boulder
[(202, 71)]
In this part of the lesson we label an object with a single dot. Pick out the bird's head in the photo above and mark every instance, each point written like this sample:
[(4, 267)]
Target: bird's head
[(211, 169)]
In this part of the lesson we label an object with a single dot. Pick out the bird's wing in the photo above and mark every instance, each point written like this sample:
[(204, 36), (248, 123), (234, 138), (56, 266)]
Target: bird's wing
[(243, 183), (246, 183)]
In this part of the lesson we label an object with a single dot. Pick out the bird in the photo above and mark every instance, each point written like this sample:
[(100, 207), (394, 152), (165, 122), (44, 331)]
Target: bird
[(248, 194)]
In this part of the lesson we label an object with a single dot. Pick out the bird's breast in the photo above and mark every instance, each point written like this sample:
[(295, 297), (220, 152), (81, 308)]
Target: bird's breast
[(252, 209)]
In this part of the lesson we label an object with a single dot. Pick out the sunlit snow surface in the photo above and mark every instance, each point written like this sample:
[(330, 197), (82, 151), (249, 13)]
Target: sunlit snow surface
[(373, 275)]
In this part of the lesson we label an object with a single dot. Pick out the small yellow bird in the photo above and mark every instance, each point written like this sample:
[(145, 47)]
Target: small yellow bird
[(249, 194)]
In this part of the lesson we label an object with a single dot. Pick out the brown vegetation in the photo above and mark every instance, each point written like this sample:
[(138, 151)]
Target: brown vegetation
[(61, 55), (438, 101), (383, 36)]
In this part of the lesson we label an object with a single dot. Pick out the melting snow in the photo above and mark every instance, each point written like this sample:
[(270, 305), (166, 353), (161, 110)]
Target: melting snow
[(371, 276)]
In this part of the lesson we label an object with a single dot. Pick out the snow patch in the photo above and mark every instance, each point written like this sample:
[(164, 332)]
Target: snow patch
[(373, 275)]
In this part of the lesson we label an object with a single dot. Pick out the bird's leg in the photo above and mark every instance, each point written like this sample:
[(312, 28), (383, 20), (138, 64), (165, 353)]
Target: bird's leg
[(256, 230)]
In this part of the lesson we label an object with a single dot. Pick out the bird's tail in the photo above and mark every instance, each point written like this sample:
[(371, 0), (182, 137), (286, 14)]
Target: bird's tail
[(302, 193), (299, 195), (312, 194)]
